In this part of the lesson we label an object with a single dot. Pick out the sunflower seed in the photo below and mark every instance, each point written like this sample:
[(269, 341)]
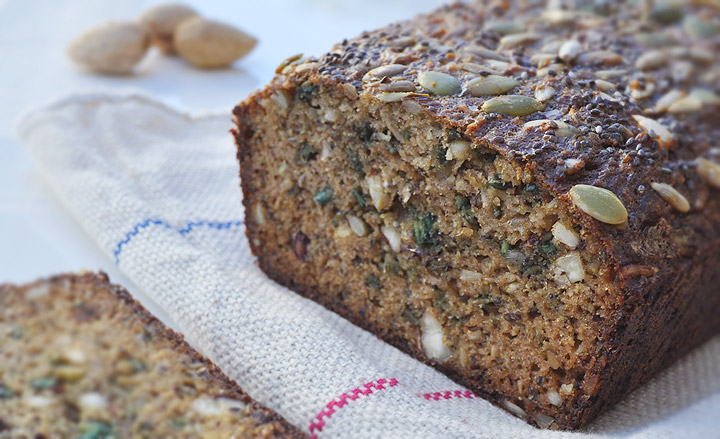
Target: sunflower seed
[(651, 60), (515, 40), (662, 134), (554, 398), (543, 59), (512, 105), (393, 96), (688, 104), (491, 85), (393, 237), (599, 203), (639, 94), (709, 171), (569, 50), (378, 193), (458, 149), (545, 71), (667, 100), (565, 235), (600, 57), (412, 106), (544, 93), (383, 72), (560, 16), (543, 420), (432, 339), (672, 196), (357, 225), (486, 53), (439, 83), (478, 68), (611, 74), (604, 85), (395, 86), (499, 66), (563, 129), (701, 56), (514, 409)]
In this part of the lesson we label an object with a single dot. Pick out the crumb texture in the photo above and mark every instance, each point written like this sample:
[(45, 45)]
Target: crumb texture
[(81, 359)]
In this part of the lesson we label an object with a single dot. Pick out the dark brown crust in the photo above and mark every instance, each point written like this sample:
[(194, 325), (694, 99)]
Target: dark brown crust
[(667, 292), (102, 281)]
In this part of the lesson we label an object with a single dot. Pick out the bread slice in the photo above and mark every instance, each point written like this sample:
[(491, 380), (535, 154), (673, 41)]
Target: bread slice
[(82, 359), (525, 198)]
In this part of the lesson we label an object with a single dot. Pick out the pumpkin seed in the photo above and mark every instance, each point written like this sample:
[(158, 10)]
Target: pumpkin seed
[(599, 203), (662, 134), (705, 96), (512, 105), (666, 12), (504, 27), (700, 28), (569, 50), (672, 196), (491, 85), (709, 171), (383, 72), (544, 93), (564, 129), (324, 196), (515, 40), (439, 83)]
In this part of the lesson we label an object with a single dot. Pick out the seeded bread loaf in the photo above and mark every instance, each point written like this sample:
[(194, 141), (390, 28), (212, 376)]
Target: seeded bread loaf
[(524, 196), (82, 359)]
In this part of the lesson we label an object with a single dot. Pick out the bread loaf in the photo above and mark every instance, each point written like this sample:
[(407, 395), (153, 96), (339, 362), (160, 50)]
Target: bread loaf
[(82, 359), (523, 196)]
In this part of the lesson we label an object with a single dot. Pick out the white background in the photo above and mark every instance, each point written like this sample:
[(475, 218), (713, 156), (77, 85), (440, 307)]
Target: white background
[(37, 237)]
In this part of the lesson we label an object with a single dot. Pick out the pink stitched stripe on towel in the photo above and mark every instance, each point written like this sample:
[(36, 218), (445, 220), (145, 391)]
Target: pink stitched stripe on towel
[(344, 399), (448, 394)]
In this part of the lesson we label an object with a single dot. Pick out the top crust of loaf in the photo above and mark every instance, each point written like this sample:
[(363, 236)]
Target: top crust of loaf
[(643, 55)]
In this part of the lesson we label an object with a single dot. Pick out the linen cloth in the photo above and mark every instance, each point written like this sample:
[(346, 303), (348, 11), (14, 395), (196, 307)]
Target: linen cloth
[(158, 191)]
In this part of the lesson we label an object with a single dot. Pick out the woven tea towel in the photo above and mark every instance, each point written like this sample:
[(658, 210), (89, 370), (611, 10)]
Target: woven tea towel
[(158, 191)]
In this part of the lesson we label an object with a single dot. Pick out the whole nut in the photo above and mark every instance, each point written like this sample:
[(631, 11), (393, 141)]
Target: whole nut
[(161, 21), (113, 47), (209, 44)]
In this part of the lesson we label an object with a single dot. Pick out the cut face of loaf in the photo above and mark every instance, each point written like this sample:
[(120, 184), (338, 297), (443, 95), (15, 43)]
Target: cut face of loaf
[(478, 199), (81, 359)]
